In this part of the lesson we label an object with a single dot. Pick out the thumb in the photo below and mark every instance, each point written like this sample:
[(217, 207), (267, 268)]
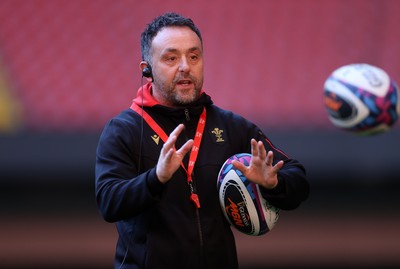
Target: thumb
[(239, 166)]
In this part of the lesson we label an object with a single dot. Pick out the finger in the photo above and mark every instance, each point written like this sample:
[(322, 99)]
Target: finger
[(186, 147), (270, 158), (278, 166), (254, 149), (262, 153), (177, 130), (168, 154), (170, 143), (173, 137)]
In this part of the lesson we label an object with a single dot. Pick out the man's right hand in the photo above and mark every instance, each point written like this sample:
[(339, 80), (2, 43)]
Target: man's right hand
[(170, 158)]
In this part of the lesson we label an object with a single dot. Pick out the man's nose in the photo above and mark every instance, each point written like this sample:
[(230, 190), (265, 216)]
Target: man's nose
[(184, 65)]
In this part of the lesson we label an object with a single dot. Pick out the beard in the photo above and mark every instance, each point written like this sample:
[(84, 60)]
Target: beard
[(180, 97)]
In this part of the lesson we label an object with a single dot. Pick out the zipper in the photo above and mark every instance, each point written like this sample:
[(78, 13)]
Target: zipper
[(187, 116), (199, 228)]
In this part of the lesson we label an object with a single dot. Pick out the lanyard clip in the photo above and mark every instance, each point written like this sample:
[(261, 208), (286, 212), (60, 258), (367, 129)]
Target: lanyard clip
[(195, 199)]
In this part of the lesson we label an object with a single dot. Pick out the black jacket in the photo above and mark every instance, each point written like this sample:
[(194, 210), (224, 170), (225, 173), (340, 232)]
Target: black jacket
[(158, 225)]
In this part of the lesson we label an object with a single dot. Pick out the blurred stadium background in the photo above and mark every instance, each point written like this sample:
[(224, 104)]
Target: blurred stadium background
[(68, 66)]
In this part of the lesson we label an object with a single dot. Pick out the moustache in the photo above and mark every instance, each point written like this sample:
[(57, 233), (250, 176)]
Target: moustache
[(187, 77)]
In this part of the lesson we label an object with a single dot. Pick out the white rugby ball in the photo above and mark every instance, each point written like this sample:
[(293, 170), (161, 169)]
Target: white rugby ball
[(362, 98), (241, 200)]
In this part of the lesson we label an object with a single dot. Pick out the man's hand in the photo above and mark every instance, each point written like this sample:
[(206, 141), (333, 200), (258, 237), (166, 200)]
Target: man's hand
[(260, 171), (170, 158)]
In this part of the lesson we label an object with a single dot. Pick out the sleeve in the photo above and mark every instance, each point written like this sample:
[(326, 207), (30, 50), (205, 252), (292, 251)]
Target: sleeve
[(120, 192), (293, 187)]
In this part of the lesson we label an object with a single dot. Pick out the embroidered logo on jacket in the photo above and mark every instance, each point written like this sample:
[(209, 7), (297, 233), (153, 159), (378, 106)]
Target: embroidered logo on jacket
[(218, 134), (156, 138)]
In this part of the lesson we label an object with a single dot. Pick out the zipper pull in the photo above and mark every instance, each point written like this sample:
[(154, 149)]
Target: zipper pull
[(187, 114)]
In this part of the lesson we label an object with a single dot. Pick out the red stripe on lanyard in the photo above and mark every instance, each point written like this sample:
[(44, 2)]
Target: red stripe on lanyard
[(193, 153)]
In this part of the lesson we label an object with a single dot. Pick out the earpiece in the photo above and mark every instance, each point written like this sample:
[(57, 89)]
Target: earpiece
[(146, 72)]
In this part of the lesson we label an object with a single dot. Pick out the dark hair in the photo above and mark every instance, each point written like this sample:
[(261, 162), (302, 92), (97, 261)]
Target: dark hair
[(160, 22)]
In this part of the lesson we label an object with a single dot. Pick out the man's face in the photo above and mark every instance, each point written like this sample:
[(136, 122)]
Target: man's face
[(177, 64)]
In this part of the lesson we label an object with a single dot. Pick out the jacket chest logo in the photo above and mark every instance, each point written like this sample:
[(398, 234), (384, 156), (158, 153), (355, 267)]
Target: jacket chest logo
[(155, 138), (218, 134)]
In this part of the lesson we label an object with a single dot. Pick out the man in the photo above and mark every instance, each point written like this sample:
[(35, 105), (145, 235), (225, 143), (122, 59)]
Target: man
[(161, 189)]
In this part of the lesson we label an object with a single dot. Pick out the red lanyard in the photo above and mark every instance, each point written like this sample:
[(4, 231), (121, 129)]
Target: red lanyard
[(193, 153)]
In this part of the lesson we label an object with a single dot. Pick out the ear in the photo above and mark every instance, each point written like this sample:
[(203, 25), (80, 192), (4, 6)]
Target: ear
[(143, 65)]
